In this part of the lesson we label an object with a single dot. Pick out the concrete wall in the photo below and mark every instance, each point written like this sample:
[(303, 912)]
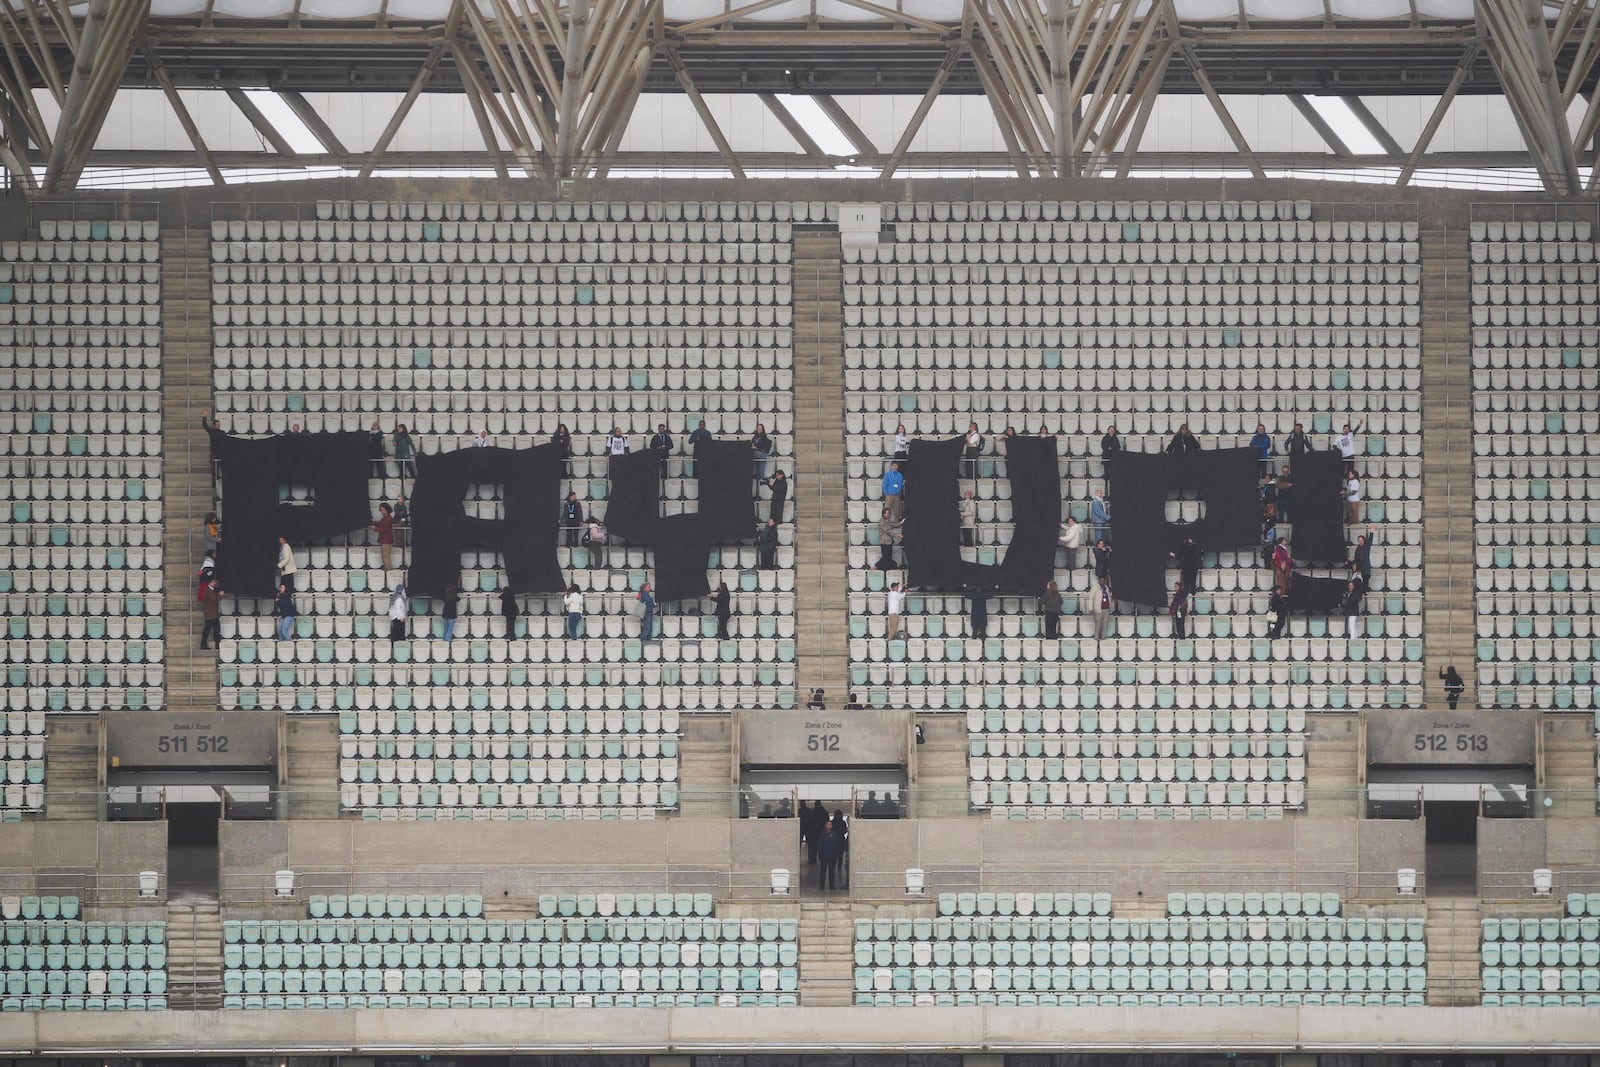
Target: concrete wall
[(99, 862), (508, 859), (1135, 858)]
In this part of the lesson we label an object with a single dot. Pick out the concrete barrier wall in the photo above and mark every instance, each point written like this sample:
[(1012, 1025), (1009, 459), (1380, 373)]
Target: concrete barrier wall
[(103, 858)]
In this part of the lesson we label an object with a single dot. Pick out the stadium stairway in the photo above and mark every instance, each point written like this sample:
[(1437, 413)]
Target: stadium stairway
[(705, 766), (1333, 765), (822, 636), (72, 755), (311, 744), (1449, 610), (194, 954), (1569, 764), (939, 789), (827, 941), (191, 675), (1453, 940)]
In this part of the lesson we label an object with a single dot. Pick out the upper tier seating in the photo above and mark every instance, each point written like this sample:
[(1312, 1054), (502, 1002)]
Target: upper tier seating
[(55, 960), (1070, 950), (453, 318), (1536, 424), (80, 482), (1076, 316), (1548, 962), (583, 950)]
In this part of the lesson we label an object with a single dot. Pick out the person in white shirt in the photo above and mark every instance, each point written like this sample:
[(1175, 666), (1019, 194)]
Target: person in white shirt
[(1352, 498), (969, 520), (901, 444), (573, 604), (973, 450), (897, 606), (482, 440), (285, 565), (1071, 539), (616, 442), (1346, 444)]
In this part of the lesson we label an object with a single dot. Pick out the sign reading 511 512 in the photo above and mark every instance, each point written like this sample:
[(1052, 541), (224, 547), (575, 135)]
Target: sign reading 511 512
[(235, 739)]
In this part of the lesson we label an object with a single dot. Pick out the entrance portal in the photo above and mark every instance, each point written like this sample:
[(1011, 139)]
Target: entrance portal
[(192, 816), (1452, 847)]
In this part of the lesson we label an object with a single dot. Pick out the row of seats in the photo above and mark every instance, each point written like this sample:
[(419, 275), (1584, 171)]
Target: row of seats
[(580, 210), (55, 960), (1185, 275), (1532, 252), (499, 232), (1160, 316), (412, 802), (1081, 231), (603, 316), (254, 275), (1118, 247), (1101, 210), (1158, 292), (1131, 345), (1138, 1000), (73, 251)]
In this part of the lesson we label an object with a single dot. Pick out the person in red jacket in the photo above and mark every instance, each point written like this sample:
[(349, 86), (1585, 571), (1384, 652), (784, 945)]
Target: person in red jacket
[(385, 528)]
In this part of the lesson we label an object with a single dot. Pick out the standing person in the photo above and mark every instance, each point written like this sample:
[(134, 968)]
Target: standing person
[(509, 610), (1361, 558), (1188, 557), (399, 609), (1102, 611), (661, 445), (812, 822), (1071, 539), (385, 530), (724, 610), (1269, 499), (1262, 443), (648, 617), (214, 438), (1285, 494), (1454, 685), (1350, 605), (572, 519), (969, 520), (452, 608), (616, 442), (973, 449), (1178, 609), (562, 439), (1102, 562), (896, 608), (211, 613), (779, 484), (211, 532), (377, 454), (978, 609), (1282, 566), (1346, 444), (760, 450), (1279, 606), (1110, 445), (894, 484), (595, 537), (1100, 516), (1183, 442), (1003, 442), (286, 568), (1352, 496), (830, 849), (1298, 444), (572, 604), (767, 545), (286, 612), (699, 436), (1050, 607), (888, 534), (404, 450), (841, 826), (900, 444)]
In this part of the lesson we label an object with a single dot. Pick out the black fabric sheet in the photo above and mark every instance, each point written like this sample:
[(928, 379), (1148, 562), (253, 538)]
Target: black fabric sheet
[(1317, 506), (530, 481), (682, 543), (1226, 479), (933, 521), (333, 465), (1315, 596)]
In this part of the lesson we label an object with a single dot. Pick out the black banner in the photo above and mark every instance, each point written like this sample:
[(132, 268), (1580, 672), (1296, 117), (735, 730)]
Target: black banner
[(1317, 506)]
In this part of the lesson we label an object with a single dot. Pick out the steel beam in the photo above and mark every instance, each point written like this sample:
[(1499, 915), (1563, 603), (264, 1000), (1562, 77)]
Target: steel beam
[(1364, 115), (706, 117), (185, 119), (1320, 124), (313, 121), (400, 112), (1463, 68), (263, 125), (952, 56), (847, 125), (792, 124)]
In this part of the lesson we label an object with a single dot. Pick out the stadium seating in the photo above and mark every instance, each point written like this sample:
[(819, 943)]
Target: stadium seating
[(1549, 961), (1070, 949), (418, 763), (1536, 421), (1074, 316), (56, 960), (80, 482), (578, 950), (512, 318)]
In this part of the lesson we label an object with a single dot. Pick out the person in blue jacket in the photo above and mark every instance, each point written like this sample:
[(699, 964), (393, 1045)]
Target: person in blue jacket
[(894, 485)]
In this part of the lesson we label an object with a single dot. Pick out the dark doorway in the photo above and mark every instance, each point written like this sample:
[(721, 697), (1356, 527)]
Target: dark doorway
[(1452, 847), (192, 847)]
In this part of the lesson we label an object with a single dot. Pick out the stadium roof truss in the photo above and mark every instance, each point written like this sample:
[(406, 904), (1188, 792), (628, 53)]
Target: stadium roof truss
[(552, 86)]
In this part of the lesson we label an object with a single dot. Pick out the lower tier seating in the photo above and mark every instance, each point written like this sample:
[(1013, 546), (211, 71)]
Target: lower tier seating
[(1544, 962), (55, 960)]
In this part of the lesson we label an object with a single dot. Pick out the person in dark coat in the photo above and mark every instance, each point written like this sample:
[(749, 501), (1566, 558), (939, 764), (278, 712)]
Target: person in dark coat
[(1188, 557), (1350, 604), (214, 436), (978, 612), (377, 452), (830, 850), (724, 610), (1279, 605), (1102, 562), (451, 609), (510, 609), (779, 484), (841, 826), (1183, 443), (1178, 609), (1454, 685), (1110, 445), (562, 439), (1050, 608), (812, 820), (572, 519), (211, 612), (767, 545)]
